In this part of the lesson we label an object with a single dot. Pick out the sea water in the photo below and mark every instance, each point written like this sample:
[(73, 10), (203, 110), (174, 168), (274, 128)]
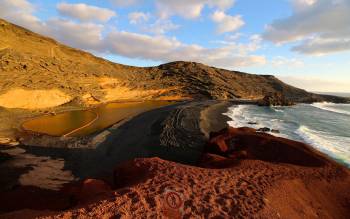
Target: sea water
[(325, 126)]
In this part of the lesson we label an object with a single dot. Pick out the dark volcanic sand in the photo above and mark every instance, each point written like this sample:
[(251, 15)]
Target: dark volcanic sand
[(239, 174), (171, 132)]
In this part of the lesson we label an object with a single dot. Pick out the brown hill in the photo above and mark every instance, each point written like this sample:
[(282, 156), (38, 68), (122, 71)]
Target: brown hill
[(38, 72)]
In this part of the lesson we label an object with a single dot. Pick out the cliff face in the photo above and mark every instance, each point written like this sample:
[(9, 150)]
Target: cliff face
[(36, 67)]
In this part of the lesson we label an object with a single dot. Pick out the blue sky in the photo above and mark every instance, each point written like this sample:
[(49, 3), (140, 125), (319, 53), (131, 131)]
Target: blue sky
[(303, 42)]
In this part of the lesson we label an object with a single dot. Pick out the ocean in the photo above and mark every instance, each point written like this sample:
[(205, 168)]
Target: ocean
[(340, 94), (324, 126)]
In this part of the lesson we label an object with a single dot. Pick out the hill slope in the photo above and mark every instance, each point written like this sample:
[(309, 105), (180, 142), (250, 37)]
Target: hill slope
[(38, 72)]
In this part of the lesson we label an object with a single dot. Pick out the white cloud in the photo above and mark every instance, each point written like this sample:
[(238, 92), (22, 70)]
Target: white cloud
[(227, 23), (253, 45), (189, 8), (221, 4), (175, 7), (138, 17), (321, 26), (8, 6), (125, 3), (88, 36), (234, 36), (302, 4), (161, 26), (81, 35), (185, 8), (322, 46), (161, 48), (286, 62), (20, 13), (135, 45), (84, 12)]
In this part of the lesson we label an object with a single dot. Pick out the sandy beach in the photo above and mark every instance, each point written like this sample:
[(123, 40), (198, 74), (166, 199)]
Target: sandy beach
[(187, 148)]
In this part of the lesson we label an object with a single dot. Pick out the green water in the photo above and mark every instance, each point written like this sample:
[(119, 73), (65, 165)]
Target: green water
[(85, 122)]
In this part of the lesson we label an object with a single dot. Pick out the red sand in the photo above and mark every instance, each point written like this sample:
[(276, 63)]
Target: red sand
[(242, 174)]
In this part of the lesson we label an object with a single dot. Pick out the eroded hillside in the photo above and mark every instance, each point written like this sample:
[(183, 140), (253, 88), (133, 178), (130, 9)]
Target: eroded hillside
[(38, 72)]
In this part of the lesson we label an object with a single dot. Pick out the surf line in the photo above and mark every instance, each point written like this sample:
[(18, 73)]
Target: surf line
[(84, 126)]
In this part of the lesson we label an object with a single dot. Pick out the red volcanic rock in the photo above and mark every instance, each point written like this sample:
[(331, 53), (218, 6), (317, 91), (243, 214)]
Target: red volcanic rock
[(130, 173), (213, 161), (86, 191), (247, 143), (91, 188), (222, 142)]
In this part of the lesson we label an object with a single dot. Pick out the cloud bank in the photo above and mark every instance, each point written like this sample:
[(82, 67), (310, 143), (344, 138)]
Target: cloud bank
[(84, 12), (320, 27), (189, 9), (88, 33)]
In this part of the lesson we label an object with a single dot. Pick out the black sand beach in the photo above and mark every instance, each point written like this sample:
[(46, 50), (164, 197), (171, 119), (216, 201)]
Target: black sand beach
[(177, 132)]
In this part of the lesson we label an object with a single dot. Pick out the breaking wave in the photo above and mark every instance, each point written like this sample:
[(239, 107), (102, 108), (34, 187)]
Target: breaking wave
[(333, 107), (335, 146), (325, 126)]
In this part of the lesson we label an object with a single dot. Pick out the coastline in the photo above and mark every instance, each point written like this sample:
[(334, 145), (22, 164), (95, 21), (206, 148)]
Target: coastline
[(212, 118), (82, 136), (179, 135)]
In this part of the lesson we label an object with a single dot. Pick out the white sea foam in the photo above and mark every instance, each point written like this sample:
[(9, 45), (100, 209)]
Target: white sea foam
[(293, 125), (335, 146), (241, 117), (331, 107), (277, 109), (236, 113)]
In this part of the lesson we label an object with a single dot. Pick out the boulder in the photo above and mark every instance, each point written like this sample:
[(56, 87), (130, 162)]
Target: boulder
[(265, 129), (275, 131), (252, 123)]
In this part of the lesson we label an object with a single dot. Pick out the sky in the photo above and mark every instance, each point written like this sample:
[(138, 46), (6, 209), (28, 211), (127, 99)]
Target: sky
[(303, 42)]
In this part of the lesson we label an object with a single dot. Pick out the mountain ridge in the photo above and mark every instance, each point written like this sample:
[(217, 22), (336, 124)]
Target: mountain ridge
[(36, 66)]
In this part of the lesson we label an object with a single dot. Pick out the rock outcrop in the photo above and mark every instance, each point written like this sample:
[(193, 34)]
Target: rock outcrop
[(246, 143), (275, 99)]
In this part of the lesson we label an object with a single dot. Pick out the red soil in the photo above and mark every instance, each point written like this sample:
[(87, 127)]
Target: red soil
[(250, 175)]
